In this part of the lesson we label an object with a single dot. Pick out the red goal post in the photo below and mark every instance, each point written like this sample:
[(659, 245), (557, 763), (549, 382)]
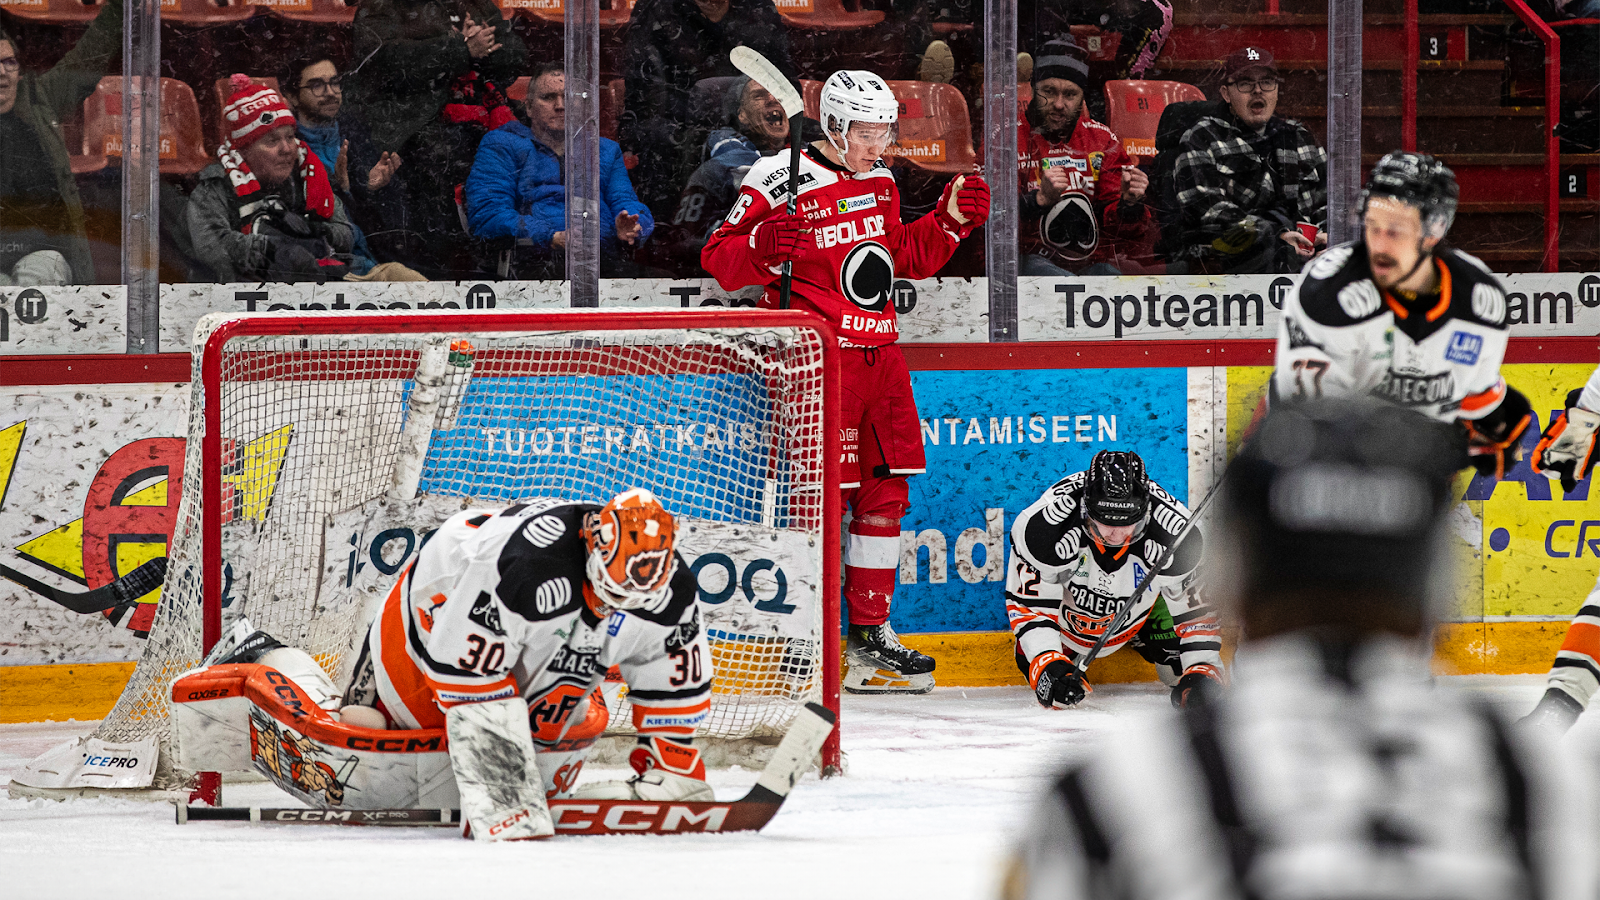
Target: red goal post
[(304, 428)]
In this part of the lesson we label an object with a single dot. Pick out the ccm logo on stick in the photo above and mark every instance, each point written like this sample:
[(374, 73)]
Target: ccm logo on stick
[(585, 818)]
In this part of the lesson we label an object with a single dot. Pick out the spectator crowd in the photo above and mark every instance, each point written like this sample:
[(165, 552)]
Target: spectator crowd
[(426, 141)]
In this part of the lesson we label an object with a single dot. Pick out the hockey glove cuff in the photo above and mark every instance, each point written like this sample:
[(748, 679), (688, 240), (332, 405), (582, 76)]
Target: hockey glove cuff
[(778, 240), (1566, 449), (1197, 685), (1494, 442), (1056, 682)]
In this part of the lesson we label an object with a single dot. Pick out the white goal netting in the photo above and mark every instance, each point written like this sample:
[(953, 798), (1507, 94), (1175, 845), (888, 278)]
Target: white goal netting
[(310, 418)]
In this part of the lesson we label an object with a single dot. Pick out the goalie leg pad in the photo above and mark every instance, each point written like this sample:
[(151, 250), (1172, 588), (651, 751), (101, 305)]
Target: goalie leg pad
[(497, 775)]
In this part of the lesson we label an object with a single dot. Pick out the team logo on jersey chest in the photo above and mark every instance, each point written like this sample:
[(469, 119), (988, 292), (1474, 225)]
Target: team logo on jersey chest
[(1464, 348), (1070, 228), (867, 276)]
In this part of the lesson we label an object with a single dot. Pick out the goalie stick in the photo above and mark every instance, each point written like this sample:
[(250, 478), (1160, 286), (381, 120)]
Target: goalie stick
[(760, 70), (790, 760), (1082, 670)]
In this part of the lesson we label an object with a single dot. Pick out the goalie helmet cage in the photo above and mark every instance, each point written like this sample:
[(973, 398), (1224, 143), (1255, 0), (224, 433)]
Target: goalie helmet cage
[(728, 416)]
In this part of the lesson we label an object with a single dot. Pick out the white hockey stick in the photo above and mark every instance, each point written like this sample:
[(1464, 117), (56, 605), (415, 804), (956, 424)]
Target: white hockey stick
[(763, 72), (789, 762)]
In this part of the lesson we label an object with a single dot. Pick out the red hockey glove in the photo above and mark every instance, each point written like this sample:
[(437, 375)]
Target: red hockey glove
[(964, 205), (1197, 685), (1566, 449), (780, 239)]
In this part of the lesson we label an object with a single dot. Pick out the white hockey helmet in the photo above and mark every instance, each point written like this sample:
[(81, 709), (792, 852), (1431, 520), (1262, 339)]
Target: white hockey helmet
[(854, 95)]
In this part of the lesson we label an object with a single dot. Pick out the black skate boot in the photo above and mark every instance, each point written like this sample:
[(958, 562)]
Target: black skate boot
[(879, 664), (1556, 712)]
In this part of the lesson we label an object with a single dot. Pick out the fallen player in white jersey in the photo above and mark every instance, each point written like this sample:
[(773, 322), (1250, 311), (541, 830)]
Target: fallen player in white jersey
[(1079, 553), (1400, 317), (491, 645)]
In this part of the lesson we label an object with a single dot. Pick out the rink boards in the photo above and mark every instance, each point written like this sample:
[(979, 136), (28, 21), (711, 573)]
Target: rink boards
[(85, 450)]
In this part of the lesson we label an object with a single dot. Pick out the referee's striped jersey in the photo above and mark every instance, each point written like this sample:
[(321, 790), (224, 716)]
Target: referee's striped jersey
[(1323, 773)]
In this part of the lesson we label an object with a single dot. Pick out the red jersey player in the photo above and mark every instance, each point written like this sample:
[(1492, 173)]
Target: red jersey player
[(847, 245)]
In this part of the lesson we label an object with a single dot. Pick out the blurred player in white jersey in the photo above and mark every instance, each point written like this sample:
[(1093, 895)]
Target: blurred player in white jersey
[(1398, 316), (1566, 453), (1334, 766), (846, 246), (1079, 552)]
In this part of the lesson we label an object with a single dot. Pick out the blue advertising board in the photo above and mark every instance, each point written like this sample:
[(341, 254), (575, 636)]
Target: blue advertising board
[(994, 441)]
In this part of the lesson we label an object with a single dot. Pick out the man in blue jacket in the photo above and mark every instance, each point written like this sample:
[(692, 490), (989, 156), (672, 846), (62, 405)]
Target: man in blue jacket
[(517, 187)]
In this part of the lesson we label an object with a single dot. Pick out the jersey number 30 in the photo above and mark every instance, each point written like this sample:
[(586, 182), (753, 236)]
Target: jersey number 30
[(477, 660), (686, 666)]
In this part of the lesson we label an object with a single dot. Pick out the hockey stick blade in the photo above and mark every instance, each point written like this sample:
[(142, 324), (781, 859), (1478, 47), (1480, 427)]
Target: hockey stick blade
[(125, 589), (789, 761), (764, 73)]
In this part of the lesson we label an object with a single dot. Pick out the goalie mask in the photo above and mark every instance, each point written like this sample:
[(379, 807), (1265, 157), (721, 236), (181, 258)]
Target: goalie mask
[(631, 557), (1116, 498)]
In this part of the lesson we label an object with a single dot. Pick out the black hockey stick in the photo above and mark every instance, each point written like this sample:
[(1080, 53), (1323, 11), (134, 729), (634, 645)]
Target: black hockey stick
[(1082, 670), (764, 73), (125, 589), (789, 761)]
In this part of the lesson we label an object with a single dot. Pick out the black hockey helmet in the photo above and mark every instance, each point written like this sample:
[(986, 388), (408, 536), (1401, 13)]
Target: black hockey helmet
[(1338, 494), (1116, 495), (1419, 180)]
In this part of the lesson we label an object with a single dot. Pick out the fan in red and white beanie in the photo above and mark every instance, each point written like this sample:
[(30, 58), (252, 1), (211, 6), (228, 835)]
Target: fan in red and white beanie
[(252, 113)]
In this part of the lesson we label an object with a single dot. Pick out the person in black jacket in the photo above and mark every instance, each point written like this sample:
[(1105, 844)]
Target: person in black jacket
[(430, 82), (670, 45)]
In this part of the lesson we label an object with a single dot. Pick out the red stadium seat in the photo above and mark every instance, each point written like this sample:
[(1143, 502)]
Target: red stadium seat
[(826, 15), (205, 12), (611, 100), (330, 12), (222, 91), (1133, 108), (181, 150), (935, 129), (55, 12)]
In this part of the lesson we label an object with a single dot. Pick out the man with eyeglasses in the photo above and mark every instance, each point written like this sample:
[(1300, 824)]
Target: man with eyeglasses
[(1081, 194), (314, 88), (1078, 554), (43, 240), (1251, 185)]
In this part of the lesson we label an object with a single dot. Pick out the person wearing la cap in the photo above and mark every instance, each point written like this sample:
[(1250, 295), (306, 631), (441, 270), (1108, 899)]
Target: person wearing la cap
[(1081, 194), (266, 210), (1245, 176), (847, 245), (1335, 765), (1400, 316), (1079, 553)]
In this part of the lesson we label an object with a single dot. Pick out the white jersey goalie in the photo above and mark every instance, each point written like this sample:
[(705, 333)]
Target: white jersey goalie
[(1079, 553), (492, 646)]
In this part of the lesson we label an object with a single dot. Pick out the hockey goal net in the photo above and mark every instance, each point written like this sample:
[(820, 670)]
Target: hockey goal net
[(323, 447)]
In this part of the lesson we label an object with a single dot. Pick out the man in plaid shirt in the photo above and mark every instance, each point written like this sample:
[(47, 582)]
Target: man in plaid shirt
[(1252, 185)]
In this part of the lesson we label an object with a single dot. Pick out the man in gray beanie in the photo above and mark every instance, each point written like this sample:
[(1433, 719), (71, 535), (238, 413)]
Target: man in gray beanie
[(1081, 194), (42, 235)]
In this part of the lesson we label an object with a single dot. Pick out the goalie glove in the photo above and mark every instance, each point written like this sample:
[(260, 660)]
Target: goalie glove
[(1566, 449), (1494, 442), (1197, 685), (779, 239), (1056, 681), (667, 771)]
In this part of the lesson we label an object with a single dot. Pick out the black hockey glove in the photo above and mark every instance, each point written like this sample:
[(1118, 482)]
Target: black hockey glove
[(1494, 442), (1196, 686), (1058, 685), (1566, 449)]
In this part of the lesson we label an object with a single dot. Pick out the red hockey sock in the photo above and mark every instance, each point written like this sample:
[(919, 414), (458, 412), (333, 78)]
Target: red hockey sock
[(871, 561)]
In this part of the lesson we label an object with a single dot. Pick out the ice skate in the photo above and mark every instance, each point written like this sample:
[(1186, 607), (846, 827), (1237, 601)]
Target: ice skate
[(879, 664)]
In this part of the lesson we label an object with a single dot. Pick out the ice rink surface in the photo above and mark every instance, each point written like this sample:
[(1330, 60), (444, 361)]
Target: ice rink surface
[(936, 786)]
